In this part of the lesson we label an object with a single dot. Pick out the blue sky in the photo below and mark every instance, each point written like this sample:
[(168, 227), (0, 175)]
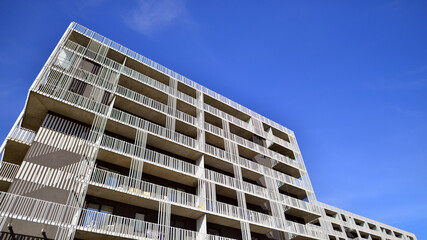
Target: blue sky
[(348, 77)]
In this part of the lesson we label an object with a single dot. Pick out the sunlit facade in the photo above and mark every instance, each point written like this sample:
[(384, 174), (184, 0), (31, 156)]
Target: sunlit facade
[(113, 145)]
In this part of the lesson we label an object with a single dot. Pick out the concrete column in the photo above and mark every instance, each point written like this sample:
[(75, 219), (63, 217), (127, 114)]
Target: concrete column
[(202, 227), (200, 163), (201, 186)]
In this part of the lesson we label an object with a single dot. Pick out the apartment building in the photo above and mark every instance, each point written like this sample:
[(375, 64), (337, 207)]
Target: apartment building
[(112, 145)]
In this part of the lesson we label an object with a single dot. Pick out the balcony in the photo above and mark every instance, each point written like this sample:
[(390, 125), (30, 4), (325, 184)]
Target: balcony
[(13, 236), (153, 66), (180, 143), (22, 135), (8, 172), (187, 169), (188, 205), (154, 105), (17, 144), (155, 84), (120, 152), (95, 223)]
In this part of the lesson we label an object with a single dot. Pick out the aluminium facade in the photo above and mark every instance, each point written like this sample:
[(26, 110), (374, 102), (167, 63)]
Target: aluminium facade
[(112, 145)]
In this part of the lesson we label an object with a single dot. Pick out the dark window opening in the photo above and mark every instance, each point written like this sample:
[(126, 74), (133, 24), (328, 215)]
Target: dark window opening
[(90, 66), (214, 231), (77, 86), (337, 227), (105, 98), (178, 224)]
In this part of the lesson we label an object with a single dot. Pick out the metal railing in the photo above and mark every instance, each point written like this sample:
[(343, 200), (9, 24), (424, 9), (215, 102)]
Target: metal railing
[(145, 189), (247, 126), (22, 135), (153, 104), (104, 79), (105, 223), (74, 99), (350, 222), (154, 129), (15, 236), (259, 191), (8, 171), (185, 117), (131, 150), (158, 130), (150, 190), (50, 213), (166, 89), (159, 86), (251, 145)]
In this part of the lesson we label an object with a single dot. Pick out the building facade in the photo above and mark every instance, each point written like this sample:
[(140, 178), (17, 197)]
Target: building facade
[(113, 145)]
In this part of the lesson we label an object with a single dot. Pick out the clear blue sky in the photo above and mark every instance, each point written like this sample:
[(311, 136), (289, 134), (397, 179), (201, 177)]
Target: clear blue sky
[(348, 77)]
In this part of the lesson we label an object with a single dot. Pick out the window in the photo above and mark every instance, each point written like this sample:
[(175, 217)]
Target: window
[(106, 209), (336, 227), (77, 86), (178, 224), (100, 208), (90, 66), (214, 231)]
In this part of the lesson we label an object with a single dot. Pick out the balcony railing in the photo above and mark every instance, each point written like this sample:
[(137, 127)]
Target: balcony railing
[(22, 135), (247, 126), (159, 130), (146, 101), (350, 223), (265, 193), (228, 117), (8, 171), (133, 186), (148, 190), (187, 118), (219, 153), (109, 224), (164, 88), (159, 86), (154, 65), (82, 51), (144, 189), (246, 143), (132, 150), (14, 236), (154, 129), (74, 99), (104, 79), (50, 213)]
